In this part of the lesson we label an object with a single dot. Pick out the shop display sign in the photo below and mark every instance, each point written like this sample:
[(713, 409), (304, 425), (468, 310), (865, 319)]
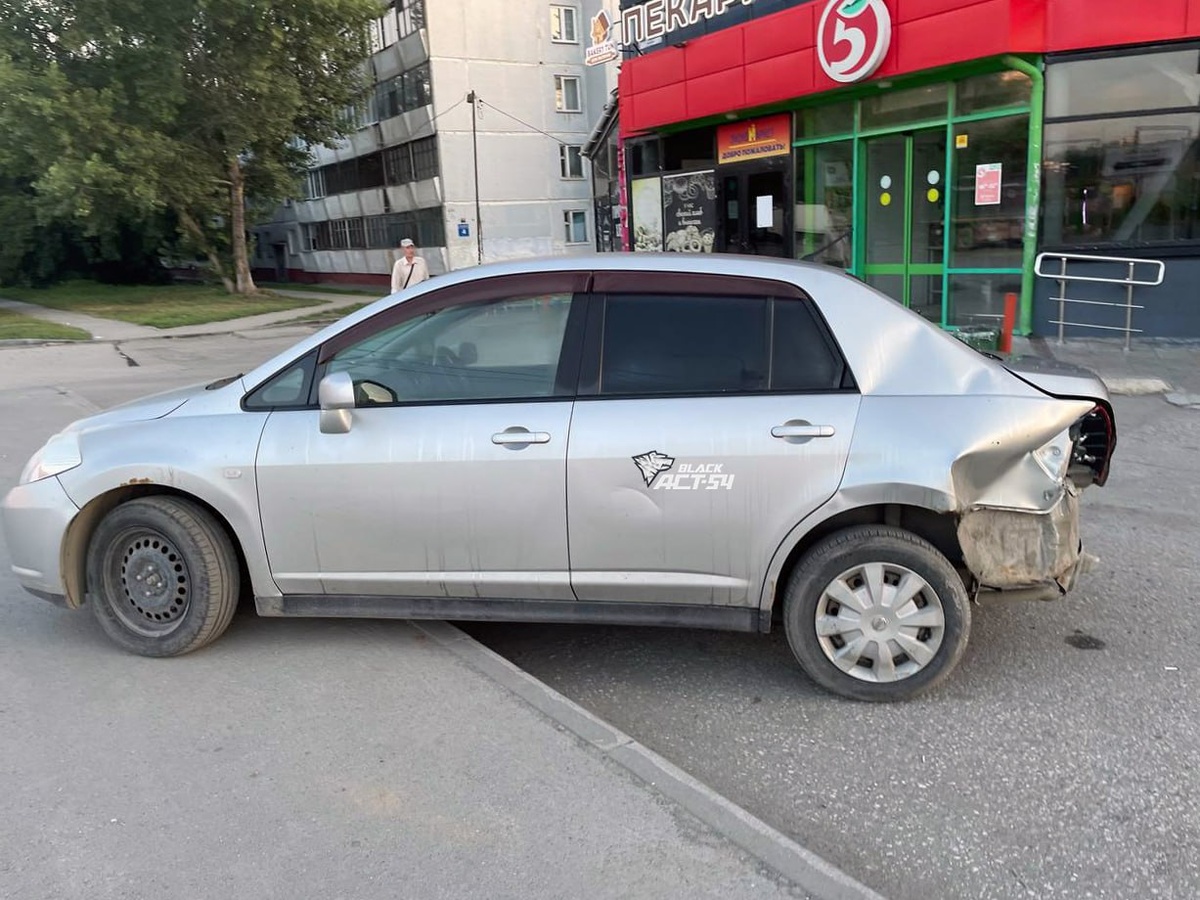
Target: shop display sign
[(690, 212), (655, 19), (988, 178), (853, 38), (604, 48), (646, 195), (755, 139)]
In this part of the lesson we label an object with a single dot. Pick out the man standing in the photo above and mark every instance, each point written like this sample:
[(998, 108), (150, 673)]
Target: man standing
[(410, 269)]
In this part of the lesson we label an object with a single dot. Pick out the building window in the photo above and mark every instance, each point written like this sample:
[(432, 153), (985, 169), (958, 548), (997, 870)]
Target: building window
[(411, 16), (425, 226), (562, 25), (406, 92), (575, 226), (1122, 150), (425, 158), (316, 184), (570, 161), (382, 31), (414, 161), (566, 93)]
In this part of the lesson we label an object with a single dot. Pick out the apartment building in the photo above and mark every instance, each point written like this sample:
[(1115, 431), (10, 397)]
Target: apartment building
[(469, 144)]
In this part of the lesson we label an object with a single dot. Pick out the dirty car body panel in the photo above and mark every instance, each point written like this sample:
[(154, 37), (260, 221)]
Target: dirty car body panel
[(511, 476)]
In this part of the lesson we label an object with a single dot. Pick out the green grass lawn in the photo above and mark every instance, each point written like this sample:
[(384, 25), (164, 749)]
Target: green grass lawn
[(15, 326), (161, 306)]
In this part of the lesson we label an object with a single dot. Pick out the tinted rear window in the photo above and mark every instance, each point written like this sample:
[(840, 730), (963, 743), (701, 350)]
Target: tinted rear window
[(684, 345)]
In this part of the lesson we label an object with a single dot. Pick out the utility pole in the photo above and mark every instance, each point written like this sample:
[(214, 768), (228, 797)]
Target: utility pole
[(473, 100)]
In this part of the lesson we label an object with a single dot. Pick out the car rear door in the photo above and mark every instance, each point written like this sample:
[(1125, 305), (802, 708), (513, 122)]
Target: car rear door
[(714, 414)]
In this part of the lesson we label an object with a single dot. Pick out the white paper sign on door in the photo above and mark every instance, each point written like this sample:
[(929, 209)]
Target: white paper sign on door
[(766, 212)]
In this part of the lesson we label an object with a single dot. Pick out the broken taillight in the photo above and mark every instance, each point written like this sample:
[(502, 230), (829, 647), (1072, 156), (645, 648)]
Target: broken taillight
[(1095, 440)]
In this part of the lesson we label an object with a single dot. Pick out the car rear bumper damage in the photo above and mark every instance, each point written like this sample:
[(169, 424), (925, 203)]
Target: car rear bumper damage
[(1026, 555)]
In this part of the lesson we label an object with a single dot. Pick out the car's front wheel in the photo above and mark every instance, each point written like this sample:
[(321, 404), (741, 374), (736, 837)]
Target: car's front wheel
[(162, 576), (876, 613)]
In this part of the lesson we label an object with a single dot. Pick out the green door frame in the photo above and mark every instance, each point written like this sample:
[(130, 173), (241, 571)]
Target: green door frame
[(1035, 111), (908, 268)]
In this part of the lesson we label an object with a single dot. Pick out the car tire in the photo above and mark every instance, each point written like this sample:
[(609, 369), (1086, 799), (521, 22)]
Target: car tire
[(163, 576), (855, 630)]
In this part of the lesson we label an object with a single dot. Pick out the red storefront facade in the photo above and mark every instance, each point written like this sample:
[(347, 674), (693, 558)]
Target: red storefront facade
[(986, 124)]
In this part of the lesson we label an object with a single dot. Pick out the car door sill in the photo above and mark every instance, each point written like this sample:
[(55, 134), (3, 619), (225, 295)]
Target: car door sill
[(667, 615)]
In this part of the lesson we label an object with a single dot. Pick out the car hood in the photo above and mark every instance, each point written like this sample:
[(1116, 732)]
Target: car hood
[(154, 406), (1059, 379)]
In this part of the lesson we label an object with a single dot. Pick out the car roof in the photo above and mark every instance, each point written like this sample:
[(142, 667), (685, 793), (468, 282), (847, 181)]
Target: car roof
[(890, 349)]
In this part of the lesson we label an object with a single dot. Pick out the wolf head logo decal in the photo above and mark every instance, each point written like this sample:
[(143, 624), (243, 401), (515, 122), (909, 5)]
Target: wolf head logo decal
[(653, 464)]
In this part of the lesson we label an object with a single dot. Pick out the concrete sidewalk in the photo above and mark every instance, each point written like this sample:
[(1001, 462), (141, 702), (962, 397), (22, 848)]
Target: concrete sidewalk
[(1171, 368)]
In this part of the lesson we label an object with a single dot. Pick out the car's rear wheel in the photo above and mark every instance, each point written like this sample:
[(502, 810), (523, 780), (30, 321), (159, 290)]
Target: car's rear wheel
[(876, 613), (162, 576)]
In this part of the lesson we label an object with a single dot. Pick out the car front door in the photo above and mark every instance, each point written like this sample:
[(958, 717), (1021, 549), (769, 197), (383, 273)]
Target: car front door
[(450, 480), (714, 415)]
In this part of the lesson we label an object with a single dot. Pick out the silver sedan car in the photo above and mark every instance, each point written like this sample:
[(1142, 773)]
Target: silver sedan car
[(670, 440)]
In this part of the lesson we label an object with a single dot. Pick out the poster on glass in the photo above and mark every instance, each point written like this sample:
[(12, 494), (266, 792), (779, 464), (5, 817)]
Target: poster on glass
[(646, 195), (690, 212)]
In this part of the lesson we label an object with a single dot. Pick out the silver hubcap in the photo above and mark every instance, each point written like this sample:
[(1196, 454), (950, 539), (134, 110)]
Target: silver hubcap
[(880, 622)]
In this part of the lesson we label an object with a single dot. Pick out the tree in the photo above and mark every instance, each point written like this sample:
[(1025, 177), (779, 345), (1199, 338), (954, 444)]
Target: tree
[(124, 109)]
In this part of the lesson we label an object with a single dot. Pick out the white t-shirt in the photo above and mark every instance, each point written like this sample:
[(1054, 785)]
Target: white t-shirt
[(400, 273)]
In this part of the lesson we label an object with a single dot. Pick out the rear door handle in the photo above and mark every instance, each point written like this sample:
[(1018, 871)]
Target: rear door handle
[(520, 437), (803, 431)]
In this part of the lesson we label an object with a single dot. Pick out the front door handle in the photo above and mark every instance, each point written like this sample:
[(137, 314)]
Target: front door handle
[(520, 437), (797, 430)]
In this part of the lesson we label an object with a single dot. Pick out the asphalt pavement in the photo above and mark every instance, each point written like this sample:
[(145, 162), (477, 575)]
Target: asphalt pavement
[(321, 759), (1062, 758)]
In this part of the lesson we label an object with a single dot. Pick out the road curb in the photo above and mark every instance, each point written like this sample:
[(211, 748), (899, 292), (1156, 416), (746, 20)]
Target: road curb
[(820, 878), (1135, 387)]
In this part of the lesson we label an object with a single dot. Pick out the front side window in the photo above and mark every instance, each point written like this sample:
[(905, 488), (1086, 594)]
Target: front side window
[(562, 25), (289, 389), (566, 93), (1122, 150), (500, 350)]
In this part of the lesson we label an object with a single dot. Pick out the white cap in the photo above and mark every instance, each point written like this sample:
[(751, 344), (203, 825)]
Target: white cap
[(407, 242)]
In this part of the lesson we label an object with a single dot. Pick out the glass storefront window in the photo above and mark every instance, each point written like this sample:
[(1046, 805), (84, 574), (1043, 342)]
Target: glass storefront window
[(1123, 180), (996, 90), (825, 203), (825, 121), (1123, 84), (978, 300), (901, 107), (988, 224)]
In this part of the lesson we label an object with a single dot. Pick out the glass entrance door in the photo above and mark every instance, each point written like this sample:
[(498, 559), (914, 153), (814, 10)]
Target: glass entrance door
[(754, 212), (905, 195)]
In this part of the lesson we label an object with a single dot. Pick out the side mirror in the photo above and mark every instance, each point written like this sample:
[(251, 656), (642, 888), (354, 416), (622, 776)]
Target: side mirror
[(336, 395)]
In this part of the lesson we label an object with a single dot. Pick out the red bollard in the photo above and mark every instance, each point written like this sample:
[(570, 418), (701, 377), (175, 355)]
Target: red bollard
[(1010, 323)]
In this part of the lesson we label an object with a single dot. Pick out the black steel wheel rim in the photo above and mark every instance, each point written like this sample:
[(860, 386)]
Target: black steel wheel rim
[(152, 583)]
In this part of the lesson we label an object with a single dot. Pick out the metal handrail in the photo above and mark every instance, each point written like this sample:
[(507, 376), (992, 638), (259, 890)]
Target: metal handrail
[(1129, 281)]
